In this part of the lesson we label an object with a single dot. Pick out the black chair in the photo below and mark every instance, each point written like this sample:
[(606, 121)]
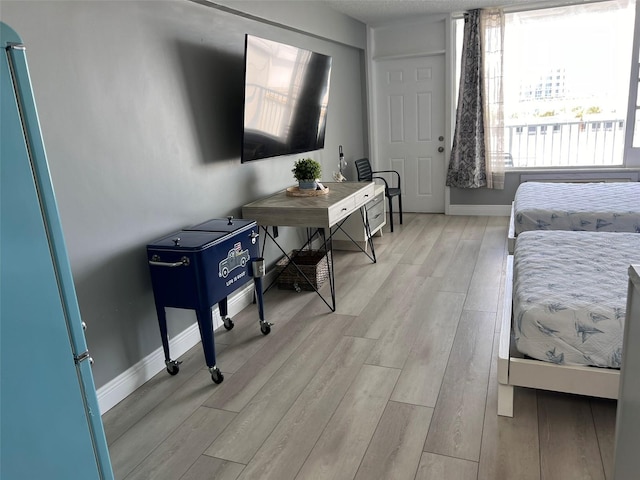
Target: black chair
[(365, 174)]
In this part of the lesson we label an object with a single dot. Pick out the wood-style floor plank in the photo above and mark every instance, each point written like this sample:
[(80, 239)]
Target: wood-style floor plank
[(209, 468), (604, 418), (456, 426), (402, 324), (440, 467), (510, 447), (282, 454), (484, 289), (417, 253), (133, 408), (421, 377), (144, 437), (181, 449), (396, 446), (257, 420), (443, 252), (461, 268), (568, 442), (234, 394), (385, 307), (340, 448), (474, 230)]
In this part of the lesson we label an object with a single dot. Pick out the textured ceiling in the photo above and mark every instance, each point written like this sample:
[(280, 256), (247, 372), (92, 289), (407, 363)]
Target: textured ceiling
[(375, 12)]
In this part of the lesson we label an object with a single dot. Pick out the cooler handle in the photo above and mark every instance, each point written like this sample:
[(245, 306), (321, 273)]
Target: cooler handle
[(155, 260)]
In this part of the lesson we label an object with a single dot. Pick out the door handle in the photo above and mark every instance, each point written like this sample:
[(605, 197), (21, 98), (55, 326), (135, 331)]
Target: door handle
[(441, 138), (441, 149)]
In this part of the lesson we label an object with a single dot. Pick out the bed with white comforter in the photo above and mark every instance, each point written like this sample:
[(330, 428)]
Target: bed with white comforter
[(598, 207), (569, 295), (563, 313)]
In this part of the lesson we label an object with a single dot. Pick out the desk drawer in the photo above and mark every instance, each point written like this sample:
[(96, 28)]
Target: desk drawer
[(365, 196), (375, 213), (341, 210)]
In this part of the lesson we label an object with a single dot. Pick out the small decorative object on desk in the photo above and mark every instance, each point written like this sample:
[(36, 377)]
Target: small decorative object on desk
[(298, 192), (307, 171), (342, 165)]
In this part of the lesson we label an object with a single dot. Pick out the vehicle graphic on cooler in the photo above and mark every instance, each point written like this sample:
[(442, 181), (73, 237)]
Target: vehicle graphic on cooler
[(235, 258)]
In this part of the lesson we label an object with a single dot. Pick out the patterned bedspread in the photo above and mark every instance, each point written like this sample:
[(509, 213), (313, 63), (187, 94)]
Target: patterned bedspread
[(569, 295), (601, 207)]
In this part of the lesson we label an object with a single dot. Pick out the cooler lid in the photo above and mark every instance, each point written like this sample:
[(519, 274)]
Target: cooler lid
[(187, 240), (228, 224)]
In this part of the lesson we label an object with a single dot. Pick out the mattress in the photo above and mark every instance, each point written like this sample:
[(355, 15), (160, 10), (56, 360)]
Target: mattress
[(601, 207), (569, 295)]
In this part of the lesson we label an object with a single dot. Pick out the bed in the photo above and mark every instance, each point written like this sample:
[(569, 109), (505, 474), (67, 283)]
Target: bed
[(563, 314), (597, 207)]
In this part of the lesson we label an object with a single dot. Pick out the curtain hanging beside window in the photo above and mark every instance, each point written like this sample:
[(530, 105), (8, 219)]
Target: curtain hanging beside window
[(492, 40), (477, 155)]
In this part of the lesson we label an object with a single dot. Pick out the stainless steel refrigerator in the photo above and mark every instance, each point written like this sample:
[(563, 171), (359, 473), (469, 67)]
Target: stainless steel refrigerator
[(50, 421)]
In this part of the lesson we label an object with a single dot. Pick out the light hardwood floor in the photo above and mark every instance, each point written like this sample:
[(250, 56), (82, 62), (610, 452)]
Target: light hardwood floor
[(398, 383)]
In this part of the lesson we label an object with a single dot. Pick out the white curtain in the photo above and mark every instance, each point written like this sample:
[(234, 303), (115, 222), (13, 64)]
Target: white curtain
[(492, 40)]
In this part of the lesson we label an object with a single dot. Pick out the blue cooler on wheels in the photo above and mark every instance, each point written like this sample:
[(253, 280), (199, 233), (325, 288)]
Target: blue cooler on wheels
[(198, 267)]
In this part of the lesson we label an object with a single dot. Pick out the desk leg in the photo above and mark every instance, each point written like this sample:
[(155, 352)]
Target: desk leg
[(205, 324), (328, 247), (365, 222), (367, 229), (332, 306)]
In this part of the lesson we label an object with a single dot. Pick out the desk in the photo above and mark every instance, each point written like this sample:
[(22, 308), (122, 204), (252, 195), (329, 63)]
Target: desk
[(319, 212)]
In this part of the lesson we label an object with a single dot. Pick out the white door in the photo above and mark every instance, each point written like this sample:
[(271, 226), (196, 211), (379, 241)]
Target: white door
[(410, 128)]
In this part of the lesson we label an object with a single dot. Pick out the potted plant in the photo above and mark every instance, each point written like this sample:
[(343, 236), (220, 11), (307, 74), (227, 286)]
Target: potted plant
[(307, 171)]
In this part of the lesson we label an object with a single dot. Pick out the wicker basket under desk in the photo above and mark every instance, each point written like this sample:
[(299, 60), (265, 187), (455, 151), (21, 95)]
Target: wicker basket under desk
[(314, 264)]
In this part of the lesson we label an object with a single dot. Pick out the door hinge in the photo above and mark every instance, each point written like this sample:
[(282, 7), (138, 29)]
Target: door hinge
[(83, 356)]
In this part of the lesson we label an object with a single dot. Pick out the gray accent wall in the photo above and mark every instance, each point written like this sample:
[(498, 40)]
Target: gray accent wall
[(140, 105)]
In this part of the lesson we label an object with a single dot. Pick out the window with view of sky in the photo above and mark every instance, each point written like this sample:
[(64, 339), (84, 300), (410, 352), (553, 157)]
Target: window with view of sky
[(566, 84)]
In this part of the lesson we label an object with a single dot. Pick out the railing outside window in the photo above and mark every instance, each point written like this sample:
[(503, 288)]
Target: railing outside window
[(596, 142)]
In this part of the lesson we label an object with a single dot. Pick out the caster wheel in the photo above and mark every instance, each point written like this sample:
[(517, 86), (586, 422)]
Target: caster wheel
[(173, 368), (217, 376), (265, 328), (228, 324)]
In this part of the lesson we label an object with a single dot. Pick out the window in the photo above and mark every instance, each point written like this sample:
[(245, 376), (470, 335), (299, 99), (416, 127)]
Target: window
[(569, 68)]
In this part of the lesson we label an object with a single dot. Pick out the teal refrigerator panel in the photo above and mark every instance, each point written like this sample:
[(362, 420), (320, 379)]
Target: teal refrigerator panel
[(51, 425)]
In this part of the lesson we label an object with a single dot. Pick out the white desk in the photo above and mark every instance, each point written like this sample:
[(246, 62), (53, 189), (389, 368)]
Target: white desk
[(320, 212)]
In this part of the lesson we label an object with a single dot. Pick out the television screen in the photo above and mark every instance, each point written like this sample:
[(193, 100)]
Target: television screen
[(286, 92)]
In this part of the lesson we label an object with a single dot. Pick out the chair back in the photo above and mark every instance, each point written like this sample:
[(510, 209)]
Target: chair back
[(363, 167)]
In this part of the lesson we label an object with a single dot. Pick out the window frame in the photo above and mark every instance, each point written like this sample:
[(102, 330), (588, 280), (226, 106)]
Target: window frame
[(631, 153)]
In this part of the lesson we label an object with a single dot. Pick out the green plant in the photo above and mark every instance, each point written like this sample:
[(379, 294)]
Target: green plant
[(306, 169)]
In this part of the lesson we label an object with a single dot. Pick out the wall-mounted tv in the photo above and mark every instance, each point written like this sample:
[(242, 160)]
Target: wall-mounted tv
[(286, 92)]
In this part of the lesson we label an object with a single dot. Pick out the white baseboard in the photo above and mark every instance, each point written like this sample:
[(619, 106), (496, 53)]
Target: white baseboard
[(128, 381), (480, 210)]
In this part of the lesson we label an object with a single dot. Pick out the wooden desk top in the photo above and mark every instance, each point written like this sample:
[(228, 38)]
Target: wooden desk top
[(321, 211)]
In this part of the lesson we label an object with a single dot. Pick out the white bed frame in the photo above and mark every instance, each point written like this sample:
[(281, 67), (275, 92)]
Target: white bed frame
[(516, 371), (511, 235)]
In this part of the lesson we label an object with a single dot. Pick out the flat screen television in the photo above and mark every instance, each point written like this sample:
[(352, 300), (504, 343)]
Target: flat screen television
[(286, 92)]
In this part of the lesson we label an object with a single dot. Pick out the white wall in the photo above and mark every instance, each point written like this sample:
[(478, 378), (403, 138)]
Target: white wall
[(140, 105)]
